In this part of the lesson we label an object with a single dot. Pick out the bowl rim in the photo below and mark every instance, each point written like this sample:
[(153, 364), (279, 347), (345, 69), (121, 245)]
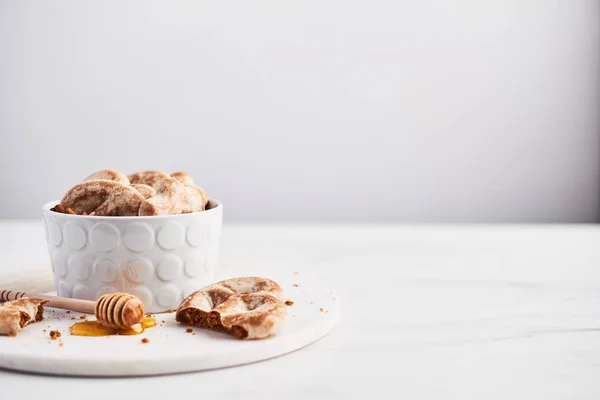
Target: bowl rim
[(217, 206)]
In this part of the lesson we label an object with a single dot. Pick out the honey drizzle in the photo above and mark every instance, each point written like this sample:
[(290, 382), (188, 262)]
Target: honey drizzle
[(94, 328)]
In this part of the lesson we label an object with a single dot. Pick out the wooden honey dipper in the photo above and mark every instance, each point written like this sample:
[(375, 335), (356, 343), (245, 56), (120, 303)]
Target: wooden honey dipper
[(113, 310)]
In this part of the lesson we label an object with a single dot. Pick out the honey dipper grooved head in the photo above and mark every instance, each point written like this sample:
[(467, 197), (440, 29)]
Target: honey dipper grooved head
[(119, 310)]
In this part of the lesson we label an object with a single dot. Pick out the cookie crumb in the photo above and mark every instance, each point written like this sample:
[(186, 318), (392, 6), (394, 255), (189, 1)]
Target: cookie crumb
[(189, 330), (163, 321), (61, 344), (289, 303), (43, 330), (145, 340), (55, 334), (321, 309), (170, 311), (193, 333), (296, 285), (72, 317), (68, 312), (83, 317)]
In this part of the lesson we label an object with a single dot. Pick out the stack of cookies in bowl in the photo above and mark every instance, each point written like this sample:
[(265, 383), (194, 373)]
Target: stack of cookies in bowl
[(112, 193), (152, 234)]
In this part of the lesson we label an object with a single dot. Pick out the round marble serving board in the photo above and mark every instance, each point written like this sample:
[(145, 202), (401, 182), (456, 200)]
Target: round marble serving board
[(171, 349)]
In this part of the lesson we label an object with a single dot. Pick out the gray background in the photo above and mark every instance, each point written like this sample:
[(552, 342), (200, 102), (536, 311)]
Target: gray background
[(310, 110)]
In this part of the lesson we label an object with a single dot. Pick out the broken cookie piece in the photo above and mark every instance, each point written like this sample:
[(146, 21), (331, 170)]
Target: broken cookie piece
[(16, 314), (249, 308)]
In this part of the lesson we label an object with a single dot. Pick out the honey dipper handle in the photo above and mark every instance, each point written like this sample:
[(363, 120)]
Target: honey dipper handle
[(84, 306)]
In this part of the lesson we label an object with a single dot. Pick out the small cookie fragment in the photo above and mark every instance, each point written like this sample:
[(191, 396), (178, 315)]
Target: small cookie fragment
[(55, 334), (145, 340), (16, 314), (289, 303), (189, 330)]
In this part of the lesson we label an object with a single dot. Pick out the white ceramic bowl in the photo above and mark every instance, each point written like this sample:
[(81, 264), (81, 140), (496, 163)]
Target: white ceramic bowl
[(159, 259)]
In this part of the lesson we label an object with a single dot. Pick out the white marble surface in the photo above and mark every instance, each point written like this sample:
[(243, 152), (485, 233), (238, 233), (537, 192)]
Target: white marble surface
[(459, 312)]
